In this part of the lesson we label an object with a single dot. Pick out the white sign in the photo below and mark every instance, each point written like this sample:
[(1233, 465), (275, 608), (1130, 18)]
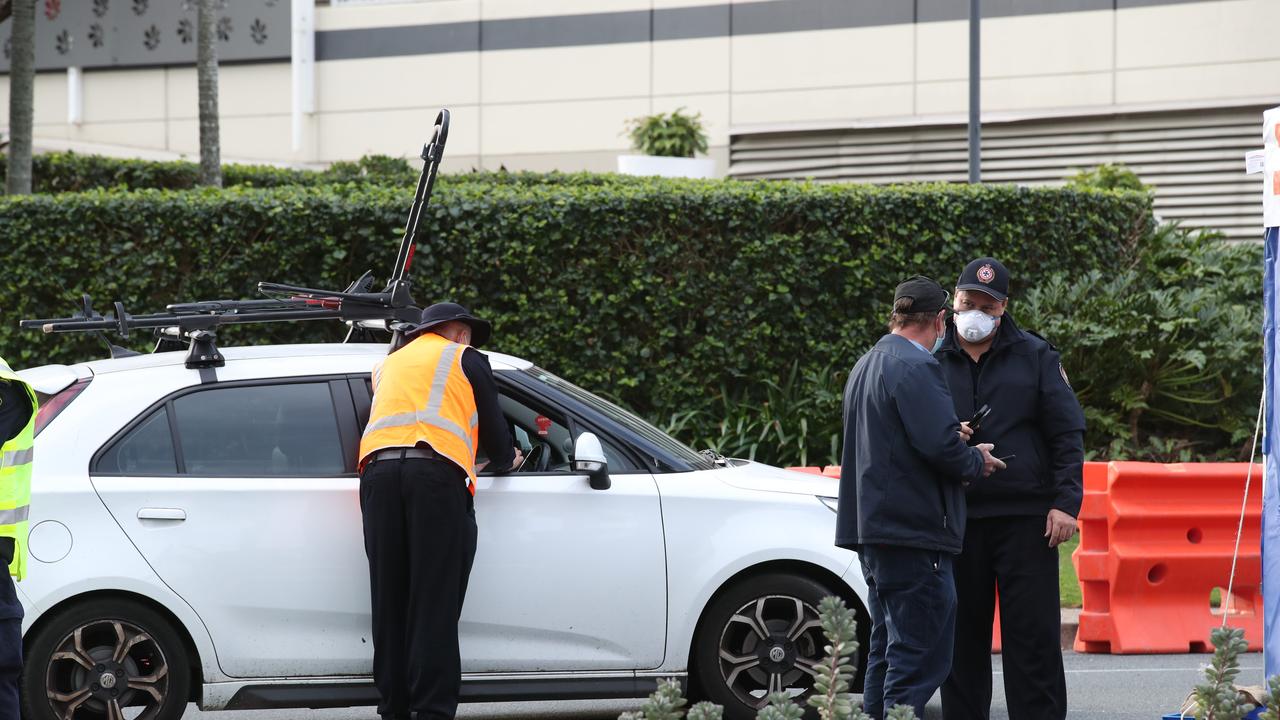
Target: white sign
[(1255, 161)]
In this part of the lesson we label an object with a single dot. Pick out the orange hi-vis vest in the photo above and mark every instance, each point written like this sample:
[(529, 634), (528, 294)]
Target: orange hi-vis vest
[(421, 394)]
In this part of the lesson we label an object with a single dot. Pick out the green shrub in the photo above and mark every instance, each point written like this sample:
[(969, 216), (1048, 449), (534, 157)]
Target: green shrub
[(659, 293), (1108, 176), (74, 172), (672, 134), (1164, 351)]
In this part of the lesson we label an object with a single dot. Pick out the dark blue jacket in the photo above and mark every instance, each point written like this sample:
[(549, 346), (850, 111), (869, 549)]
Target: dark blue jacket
[(1034, 415), (904, 463)]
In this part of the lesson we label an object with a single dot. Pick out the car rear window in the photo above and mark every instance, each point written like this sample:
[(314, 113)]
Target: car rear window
[(260, 431)]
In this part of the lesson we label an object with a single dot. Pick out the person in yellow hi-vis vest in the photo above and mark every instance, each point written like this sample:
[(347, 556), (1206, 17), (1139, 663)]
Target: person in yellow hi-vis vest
[(18, 407), (434, 403)]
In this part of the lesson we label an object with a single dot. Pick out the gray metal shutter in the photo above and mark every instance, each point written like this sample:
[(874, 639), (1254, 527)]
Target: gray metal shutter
[(1195, 159)]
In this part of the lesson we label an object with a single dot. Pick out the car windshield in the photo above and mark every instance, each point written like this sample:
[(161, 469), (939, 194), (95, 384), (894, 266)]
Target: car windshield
[(628, 420)]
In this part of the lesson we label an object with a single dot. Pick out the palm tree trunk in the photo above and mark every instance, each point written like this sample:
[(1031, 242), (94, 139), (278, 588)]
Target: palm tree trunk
[(22, 78), (207, 71)]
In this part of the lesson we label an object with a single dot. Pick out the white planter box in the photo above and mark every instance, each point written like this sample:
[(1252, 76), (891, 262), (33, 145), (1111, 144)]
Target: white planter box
[(666, 166)]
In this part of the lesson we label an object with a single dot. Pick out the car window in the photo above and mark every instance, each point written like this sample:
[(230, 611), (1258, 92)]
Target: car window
[(260, 431), (147, 449), (534, 426)]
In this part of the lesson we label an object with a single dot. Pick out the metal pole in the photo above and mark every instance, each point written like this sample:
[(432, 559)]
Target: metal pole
[(975, 84)]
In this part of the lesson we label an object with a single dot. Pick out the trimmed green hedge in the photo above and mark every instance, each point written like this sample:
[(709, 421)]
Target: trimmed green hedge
[(660, 293), (73, 172)]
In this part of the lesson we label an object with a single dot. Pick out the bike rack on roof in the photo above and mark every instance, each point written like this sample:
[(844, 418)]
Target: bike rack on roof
[(393, 309)]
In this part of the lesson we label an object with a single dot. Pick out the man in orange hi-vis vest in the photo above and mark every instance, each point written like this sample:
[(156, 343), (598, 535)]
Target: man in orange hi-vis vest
[(434, 402)]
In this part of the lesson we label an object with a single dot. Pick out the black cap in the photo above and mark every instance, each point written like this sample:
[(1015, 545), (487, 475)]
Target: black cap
[(926, 295), (441, 313), (987, 275)]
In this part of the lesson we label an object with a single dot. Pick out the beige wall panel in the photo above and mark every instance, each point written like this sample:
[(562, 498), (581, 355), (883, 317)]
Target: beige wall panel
[(504, 9), (942, 98), (426, 12), (824, 58), (184, 137), (182, 98), (1043, 93), (599, 161), (802, 106), (564, 127), (115, 95), (455, 163), (243, 90), (399, 133), (691, 66), (258, 89), (942, 51), (1205, 82), (266, 137), (148, 135), (50, 98), (1017, 46), (51, 131), (664, 4), (568, 73), (380, 83), (714, 109), (1075, 42), (1199, 32)]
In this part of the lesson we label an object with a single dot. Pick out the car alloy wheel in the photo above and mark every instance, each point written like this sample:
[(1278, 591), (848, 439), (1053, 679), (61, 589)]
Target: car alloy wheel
[(106, 659), (771, 644), (104, 666)]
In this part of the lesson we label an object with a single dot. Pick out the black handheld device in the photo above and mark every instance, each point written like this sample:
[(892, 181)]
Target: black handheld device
[(976, 421)]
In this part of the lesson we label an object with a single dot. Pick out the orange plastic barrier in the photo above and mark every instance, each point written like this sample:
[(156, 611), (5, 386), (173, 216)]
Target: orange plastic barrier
[(1155, 541)]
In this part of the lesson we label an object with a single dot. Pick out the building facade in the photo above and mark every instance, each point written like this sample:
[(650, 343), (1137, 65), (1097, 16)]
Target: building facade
[(868, 90)]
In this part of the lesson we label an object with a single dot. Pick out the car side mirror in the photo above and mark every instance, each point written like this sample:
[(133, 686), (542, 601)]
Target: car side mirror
[(588, 458)]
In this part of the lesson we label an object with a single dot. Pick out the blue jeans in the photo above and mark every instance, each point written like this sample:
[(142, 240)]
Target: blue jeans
[(911, 596)]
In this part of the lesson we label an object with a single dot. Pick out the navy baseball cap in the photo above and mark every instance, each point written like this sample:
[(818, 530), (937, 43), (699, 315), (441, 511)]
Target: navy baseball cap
[(986, 275), (925, 294)]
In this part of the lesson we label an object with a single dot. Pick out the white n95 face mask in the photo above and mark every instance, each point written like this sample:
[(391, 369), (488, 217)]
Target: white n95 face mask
[(975, 325)]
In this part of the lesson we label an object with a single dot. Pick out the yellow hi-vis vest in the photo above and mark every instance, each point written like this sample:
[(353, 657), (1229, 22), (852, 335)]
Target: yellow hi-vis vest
[(421, 394), (15, 479)]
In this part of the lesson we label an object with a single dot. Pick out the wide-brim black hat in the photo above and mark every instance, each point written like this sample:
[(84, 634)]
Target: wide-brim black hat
[(441, 313)]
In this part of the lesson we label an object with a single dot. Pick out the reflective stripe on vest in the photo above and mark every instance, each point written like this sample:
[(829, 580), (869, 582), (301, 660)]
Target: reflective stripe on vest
[(16, 456), (407, 411), (10, 458)]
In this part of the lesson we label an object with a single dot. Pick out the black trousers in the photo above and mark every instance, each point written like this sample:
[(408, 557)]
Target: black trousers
[(1013, 554), (912, 601), (10, 647), (420, 537)]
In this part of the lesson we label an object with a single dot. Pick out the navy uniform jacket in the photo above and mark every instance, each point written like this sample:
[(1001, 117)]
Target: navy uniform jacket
[(1034, 415), (904, 463)]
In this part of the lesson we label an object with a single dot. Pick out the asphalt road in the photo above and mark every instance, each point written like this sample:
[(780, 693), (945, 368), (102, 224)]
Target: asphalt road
[(1114, 687)]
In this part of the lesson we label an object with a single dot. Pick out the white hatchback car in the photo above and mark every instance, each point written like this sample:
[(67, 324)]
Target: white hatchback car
[(196, 536)]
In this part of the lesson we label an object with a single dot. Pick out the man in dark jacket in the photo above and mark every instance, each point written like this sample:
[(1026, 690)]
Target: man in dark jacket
[(901, 499), (1018, 517)]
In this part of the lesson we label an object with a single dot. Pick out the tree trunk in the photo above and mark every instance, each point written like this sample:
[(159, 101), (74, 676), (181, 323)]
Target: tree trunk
[(207, 70), (22, 78)]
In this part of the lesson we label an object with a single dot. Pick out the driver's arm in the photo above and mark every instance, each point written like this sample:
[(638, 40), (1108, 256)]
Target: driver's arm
[(495, 434)]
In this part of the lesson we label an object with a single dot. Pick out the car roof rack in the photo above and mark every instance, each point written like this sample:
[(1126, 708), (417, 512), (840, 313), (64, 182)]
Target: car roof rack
[(393, 309)]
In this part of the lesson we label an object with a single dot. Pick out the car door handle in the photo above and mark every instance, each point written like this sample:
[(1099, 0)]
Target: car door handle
[(162, 514)]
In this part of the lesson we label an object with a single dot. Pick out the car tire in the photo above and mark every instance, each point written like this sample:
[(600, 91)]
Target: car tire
[(92, 660), (735, 666)]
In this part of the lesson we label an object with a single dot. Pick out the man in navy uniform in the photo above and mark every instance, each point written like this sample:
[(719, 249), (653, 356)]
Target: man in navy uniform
[(901, 503), (1018, 517)]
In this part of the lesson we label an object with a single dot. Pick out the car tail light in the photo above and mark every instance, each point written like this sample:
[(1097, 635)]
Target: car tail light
[(53, 405)]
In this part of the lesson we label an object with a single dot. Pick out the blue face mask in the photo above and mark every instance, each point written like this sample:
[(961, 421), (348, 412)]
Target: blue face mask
[(937, 345)]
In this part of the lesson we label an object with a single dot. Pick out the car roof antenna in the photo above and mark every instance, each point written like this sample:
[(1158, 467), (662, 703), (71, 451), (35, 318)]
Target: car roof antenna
[(365, 311)]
